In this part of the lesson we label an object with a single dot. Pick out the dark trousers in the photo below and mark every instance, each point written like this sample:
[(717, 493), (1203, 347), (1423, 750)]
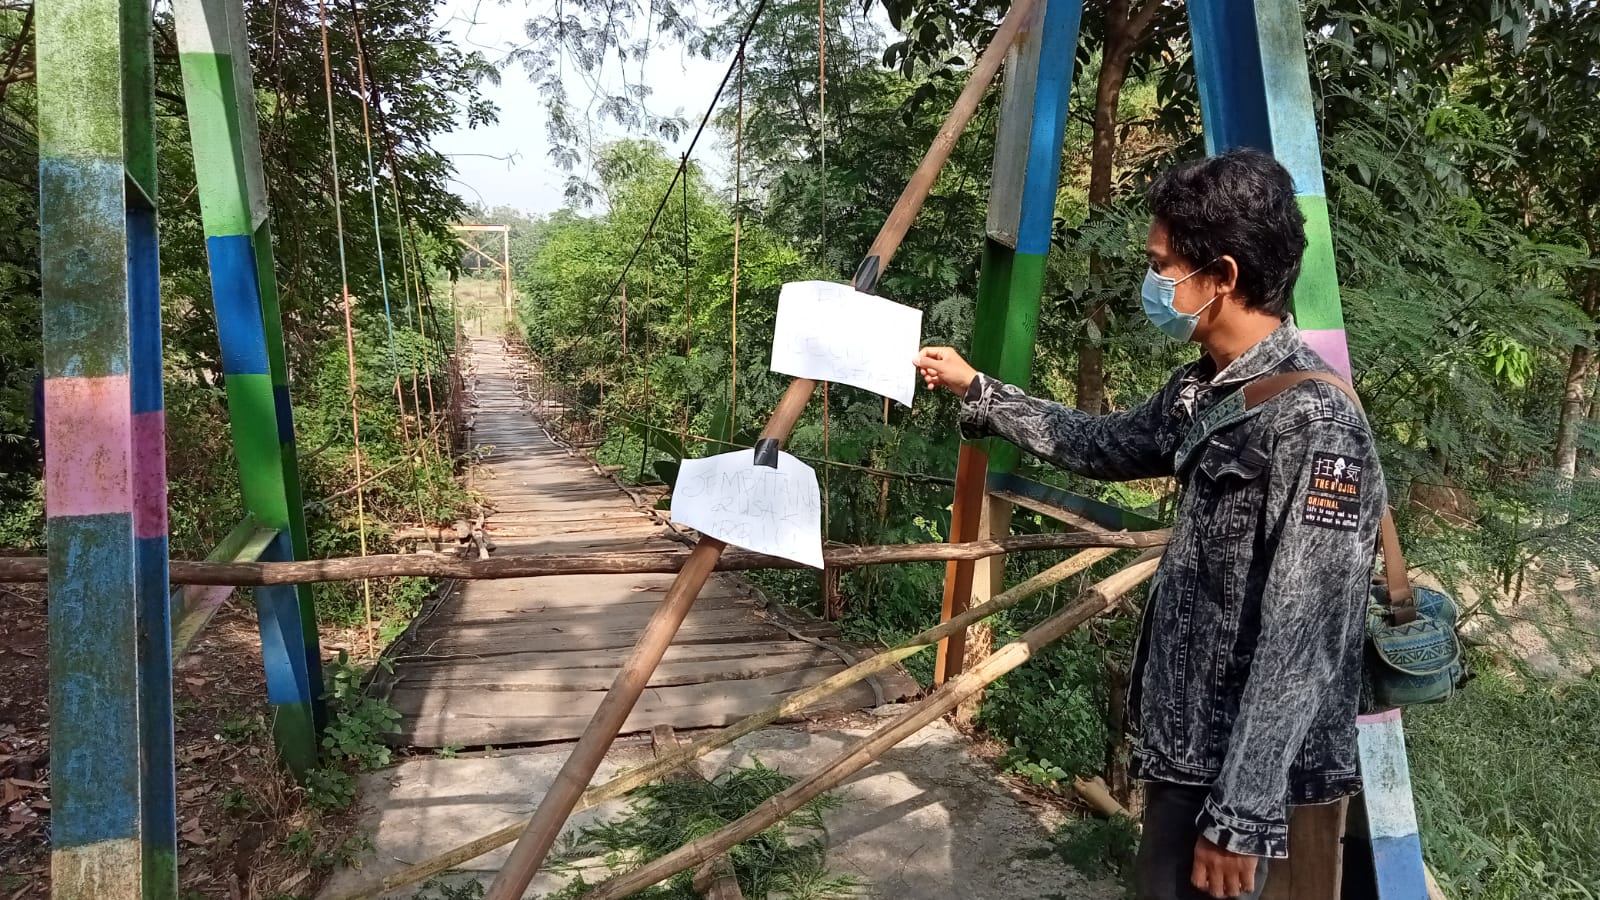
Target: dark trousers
[(1166, 851)]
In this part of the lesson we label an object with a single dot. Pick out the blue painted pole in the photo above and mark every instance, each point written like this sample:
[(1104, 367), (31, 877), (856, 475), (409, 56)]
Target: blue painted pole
[(112, 828), (1022, 204)]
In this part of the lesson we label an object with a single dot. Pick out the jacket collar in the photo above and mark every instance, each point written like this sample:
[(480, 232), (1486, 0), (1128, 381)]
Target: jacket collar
[(1259, 360)]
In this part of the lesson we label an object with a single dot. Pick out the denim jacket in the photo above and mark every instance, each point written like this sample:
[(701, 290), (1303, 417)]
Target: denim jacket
[(1247, 671)]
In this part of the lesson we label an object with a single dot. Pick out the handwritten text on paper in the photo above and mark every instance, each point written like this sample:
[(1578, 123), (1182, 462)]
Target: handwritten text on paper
[(831, 332), (773, 511)]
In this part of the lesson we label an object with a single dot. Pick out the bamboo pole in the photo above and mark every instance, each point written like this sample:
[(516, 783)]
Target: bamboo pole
[(1094, 792), (427, 565), (1098, 599), (793, 704), (535, 843)]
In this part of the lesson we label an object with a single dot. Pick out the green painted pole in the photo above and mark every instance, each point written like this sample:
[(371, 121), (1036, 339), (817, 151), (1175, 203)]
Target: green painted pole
[(214, 56), (1022, 202)]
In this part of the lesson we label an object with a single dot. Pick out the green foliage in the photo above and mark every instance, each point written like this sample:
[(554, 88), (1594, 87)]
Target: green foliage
[(330, 789), (1506, 776), (300, 842), (303, 845), (355, 738), (237, 800), (1099, 847), (22, 516), (788, 860), (1051, 712), (242, 728), (357, 723), (442, 890)]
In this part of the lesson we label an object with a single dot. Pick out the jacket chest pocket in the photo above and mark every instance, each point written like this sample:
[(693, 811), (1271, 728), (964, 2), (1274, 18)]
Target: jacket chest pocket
[(1228, 486)]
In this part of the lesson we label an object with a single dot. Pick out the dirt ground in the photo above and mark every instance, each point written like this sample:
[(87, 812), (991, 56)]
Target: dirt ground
[(244, 830), (1551, 626), (24, 743)]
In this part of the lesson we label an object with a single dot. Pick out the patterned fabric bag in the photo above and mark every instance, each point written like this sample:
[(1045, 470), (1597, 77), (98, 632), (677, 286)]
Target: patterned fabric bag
[(1419, 661)]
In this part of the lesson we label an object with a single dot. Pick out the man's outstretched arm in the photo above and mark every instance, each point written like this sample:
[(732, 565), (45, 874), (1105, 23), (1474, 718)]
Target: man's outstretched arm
[(1113, 447)]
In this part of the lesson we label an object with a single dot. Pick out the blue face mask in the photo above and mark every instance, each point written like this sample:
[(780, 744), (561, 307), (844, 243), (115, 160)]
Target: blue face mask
[(1157, 295)]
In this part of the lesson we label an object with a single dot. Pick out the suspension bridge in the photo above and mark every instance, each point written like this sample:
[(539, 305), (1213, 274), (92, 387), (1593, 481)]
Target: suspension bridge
[(527, 661), (541, 659)]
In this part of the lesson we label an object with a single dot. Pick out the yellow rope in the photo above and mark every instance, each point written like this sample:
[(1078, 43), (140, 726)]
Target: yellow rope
[(733, 338), (349, 323)]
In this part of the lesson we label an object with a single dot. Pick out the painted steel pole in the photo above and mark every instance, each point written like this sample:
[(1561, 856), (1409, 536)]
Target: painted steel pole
[(1022, 204), (1255, 91), (214, 55), (112, 828)]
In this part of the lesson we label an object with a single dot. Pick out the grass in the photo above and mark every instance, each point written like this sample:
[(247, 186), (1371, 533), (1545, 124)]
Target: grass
[(1507, 781), (1506, 778), (787, 860), (1099, 848)]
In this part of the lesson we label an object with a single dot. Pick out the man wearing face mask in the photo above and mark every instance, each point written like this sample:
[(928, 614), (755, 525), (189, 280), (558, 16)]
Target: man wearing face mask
[(1247, 671)]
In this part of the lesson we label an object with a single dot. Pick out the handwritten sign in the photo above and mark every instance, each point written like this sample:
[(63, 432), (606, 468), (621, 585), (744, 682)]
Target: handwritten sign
[(831, 332), (773, 511)]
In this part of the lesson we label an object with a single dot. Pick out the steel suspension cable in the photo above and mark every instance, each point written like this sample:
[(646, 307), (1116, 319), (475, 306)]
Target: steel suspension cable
[(744, 40), (688, 309)]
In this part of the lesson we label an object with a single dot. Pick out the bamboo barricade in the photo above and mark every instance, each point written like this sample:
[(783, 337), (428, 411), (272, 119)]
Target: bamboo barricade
[(1098, 599), (792, 705), (534, 845), (426, 565)]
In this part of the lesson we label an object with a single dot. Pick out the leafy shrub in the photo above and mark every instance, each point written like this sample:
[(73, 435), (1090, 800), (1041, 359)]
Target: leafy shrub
[(330, 789), (1050, 712), (357, 723)]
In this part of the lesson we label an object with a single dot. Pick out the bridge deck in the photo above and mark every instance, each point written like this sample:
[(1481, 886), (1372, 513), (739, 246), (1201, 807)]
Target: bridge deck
[(527, 660)]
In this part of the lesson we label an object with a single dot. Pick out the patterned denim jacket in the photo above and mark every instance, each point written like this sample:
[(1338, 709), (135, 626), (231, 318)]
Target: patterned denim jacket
[(1248, 667)]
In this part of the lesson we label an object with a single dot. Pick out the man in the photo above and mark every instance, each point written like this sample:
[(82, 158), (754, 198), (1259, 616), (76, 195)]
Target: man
[(1248, 667)]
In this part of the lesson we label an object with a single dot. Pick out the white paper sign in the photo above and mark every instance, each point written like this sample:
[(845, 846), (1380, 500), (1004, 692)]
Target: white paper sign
[(773, 511), (831, 332)]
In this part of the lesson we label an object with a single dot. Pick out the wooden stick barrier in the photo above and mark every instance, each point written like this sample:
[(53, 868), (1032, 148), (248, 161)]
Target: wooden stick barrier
[(793, 704), (426, 565), (1098, 599)]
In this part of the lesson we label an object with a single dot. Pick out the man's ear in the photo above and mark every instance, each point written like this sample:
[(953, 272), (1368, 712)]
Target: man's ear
[(1226, 272)]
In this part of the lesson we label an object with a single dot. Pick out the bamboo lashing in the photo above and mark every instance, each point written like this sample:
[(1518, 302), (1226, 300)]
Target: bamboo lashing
[(793, 704)]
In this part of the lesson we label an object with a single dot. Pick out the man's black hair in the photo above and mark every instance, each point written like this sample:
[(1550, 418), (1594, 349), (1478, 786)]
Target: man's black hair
[(1240, 204)]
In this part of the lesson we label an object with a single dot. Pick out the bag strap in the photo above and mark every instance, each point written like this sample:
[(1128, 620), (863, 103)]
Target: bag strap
[(1402, 605)]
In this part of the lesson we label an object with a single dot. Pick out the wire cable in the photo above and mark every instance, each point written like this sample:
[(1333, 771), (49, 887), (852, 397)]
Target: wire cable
[(727, 76)]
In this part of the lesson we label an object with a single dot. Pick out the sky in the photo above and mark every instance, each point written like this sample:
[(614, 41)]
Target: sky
[(522, 176)]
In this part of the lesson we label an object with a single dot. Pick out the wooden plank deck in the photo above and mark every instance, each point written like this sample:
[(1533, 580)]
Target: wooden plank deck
[(526, 661)]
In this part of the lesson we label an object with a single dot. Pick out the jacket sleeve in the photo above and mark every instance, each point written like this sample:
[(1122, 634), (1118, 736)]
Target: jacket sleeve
[(1115, 447), (1313, 608)]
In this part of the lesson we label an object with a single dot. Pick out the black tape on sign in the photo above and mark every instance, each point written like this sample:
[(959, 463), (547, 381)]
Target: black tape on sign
[(767, 452)]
